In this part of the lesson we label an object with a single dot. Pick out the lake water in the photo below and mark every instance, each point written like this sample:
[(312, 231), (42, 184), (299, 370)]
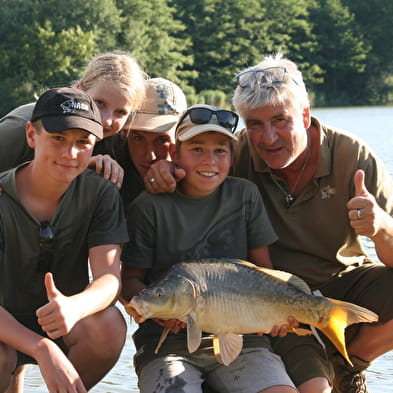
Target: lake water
[(375, 126)]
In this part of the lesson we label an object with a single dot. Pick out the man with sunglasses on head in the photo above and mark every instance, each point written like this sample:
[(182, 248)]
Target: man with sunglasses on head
[(57, 219), (323, 189)]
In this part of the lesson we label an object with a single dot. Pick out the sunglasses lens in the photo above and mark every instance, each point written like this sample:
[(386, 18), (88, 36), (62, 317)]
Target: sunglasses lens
[(200, 115), (227, 119), (46, 233)]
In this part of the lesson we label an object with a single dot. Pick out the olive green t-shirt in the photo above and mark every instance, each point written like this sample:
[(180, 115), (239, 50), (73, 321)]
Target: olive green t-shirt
[(90, 214), (316, 240)]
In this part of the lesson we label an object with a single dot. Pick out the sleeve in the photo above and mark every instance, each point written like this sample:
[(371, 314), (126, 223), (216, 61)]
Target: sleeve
[(14, 149), (259, 228), (108, 222), (139, 251)]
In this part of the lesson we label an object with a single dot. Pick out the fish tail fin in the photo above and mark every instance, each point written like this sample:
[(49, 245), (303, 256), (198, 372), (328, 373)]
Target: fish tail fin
[(344, 314)]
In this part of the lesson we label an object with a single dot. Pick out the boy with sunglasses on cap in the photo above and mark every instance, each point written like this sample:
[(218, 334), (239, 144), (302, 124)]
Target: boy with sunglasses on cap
[(209, 215), (55, 217)]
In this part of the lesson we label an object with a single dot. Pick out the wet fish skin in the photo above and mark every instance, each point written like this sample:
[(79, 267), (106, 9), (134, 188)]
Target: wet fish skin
[(229, 298)]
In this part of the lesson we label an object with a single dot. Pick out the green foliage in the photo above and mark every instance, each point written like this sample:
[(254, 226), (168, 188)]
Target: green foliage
[(201, 44)]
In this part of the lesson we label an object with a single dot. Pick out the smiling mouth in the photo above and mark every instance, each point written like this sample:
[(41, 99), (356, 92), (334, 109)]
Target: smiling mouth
[(207, 174)]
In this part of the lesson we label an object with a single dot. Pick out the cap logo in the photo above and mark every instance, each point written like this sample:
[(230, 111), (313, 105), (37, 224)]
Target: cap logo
[(72, 105)]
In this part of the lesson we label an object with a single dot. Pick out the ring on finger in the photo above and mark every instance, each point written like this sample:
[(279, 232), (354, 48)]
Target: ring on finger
[(358, 213), (152, 180)]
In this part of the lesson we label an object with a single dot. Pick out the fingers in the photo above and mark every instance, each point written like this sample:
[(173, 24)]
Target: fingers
[(160, 177), (109, 168)]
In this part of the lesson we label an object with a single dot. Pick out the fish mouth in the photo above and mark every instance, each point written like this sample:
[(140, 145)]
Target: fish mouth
[(137, 311)]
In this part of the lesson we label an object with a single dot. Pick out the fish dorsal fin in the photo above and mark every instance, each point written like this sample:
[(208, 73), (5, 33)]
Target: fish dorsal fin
[(227, 347), (287, 277), (194, 334)]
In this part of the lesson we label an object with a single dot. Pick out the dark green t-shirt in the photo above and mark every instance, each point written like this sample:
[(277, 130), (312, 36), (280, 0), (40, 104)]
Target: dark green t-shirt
[(90, 214), (168, 228)]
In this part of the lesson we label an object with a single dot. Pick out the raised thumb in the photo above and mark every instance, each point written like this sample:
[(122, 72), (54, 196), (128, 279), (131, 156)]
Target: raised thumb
[(360, 187), (51, 290)]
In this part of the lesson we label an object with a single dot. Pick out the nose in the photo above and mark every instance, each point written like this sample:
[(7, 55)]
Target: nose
[(106, 118), (269, 135), (150, 153), (71, 151), (209, 157)]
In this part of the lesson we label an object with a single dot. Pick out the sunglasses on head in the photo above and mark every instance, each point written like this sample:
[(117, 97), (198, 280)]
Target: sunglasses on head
[(226, 119), (262, 77), (47, 235)]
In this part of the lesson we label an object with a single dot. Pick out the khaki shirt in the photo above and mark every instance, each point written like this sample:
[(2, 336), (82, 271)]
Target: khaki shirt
[(316, 240)]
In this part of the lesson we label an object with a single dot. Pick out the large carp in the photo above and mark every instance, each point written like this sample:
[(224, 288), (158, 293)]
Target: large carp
[(229, 298)]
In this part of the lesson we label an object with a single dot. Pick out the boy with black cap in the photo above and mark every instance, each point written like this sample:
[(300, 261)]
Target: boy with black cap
[(55, 217)]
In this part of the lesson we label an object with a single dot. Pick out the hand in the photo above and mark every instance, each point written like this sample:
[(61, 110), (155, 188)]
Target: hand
[(58, 372), (109, 168), (281, 331), (175, 324), (165, 175), (364, 214), (59, 315)]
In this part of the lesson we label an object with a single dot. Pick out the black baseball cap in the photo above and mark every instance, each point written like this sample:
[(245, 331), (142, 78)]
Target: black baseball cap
[(64, 108)]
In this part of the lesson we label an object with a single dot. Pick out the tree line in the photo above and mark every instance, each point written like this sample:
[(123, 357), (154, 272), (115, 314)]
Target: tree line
[(343, 47)]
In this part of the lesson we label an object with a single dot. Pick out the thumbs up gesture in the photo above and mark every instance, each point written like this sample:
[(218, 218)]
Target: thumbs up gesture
[(58, 316), (363, 211)]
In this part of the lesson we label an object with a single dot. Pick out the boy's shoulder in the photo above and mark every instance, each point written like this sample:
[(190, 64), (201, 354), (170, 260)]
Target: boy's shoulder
[(22, 113)]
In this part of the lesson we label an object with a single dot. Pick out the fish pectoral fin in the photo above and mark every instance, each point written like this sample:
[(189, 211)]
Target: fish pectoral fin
[(227, 347), (163, 336), (300, 331), (194, 334)]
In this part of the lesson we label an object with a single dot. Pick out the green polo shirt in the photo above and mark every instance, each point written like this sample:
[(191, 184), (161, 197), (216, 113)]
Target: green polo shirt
[(316, 240), (90, 214)]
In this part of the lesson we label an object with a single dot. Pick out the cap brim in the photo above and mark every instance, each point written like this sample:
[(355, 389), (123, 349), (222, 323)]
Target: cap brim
[(201, 128), (54, 124), (154, 122)]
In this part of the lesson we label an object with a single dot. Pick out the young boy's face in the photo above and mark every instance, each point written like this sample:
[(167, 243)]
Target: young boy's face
[(148, 147), (207, 159), (62, 156)]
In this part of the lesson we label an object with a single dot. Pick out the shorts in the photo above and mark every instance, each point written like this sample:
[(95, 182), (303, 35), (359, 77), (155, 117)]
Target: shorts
[(255, 369), (31, 323), (367, 286)]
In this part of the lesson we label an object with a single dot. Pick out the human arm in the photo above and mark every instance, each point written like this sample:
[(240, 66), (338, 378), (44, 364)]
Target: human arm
[(61, 313), (58, 372), (108, 167), (165, 175), (372, 220)]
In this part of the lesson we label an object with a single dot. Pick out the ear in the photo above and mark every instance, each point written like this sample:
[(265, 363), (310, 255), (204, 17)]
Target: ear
[(31, 134), (306, 117), (173, 153)]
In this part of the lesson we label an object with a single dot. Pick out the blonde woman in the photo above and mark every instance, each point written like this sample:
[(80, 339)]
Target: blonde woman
[(116, 83)]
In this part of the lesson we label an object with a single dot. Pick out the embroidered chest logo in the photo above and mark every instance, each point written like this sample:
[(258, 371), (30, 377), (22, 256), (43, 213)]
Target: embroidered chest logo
[(72, 105), (327, 192)]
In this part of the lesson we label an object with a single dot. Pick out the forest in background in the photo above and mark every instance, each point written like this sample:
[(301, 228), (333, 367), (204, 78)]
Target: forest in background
[(343, 47)]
